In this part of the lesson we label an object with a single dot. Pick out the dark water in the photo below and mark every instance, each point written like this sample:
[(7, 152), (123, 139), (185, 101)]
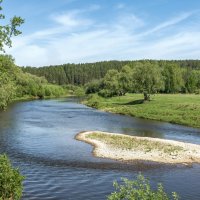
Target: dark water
[(38, 136)]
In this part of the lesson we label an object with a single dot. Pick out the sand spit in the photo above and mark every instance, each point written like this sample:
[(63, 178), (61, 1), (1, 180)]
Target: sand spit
[(113, 146)]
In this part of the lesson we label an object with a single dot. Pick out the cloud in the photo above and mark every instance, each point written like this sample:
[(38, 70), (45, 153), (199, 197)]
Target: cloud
[(120, 6), (76, 37), (170, 22), (71, 19)]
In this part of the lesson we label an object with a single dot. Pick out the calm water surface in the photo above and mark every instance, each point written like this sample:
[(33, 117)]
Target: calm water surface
[(38, 136)]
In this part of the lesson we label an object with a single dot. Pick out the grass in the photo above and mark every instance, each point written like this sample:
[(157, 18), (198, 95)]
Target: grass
[(131, 143), (175, 108)]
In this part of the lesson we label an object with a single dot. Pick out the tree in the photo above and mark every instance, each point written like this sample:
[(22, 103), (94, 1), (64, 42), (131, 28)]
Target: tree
[(147, 79), (110, 84), (173, 78), (10, 180), (94, 86), (9, 30), (125, 80), (190, 78), (7, 85), (139, 189)]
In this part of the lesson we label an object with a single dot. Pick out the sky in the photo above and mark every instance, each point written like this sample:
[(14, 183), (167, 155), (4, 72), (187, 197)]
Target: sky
[(79, 31)]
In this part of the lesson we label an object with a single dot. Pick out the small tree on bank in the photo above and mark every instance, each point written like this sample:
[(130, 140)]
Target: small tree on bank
[(139, 189), (147, 79), (10, 180)]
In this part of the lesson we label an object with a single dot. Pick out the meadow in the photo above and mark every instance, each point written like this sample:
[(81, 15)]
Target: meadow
[(174, 108)]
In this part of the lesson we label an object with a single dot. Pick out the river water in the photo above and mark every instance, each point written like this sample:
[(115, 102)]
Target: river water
[(38, 136)]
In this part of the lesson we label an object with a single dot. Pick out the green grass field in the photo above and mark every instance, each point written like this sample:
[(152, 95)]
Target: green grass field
[(175, 108)]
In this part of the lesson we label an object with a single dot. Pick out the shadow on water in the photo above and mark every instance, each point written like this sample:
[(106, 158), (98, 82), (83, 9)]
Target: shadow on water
[(133, 166), (38, 137)]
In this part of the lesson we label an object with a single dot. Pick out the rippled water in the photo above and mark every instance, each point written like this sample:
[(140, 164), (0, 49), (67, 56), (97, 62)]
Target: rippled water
[(38, 136)]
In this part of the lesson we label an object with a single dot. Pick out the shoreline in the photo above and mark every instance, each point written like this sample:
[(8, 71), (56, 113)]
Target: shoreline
[(153, 110), (32, 98), (108, 110), (186, 153)]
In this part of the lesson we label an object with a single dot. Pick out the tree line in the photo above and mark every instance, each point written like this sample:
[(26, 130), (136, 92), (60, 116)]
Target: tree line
[(80, 74), (111, 78), (16, 84), (147, 78), (75, 74)]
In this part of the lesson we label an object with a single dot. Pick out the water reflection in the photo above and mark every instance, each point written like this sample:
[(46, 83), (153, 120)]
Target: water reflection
[(39, 138)]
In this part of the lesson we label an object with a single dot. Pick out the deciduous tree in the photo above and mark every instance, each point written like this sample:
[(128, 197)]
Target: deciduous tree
[(147, 79)]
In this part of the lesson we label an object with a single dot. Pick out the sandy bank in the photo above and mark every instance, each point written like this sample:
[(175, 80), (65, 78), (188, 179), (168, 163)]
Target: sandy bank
[(128, 148)]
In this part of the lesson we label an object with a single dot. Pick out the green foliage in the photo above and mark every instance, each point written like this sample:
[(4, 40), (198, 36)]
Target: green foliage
[(10, 180), (147, 79), (75, 74), (79, 91), (190, 78), (110, 84), (14, 83), (139, 189), (75, 90), (7, 92), (94, 100), (174, 108), (116, 83), (9, 30), (81, 74), (125, 80), (7, 85), (173, 78), (94, 86)]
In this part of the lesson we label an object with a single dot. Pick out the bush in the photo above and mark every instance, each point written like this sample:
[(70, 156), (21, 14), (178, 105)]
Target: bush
[(139, 189), (197, 91), (79, 91), (93, 86), (107, 93), (10, 180), (94, 101)]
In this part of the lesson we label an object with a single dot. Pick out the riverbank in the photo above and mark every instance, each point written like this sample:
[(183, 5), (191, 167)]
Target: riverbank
[(130, 148), (31, 98), (183, 109)]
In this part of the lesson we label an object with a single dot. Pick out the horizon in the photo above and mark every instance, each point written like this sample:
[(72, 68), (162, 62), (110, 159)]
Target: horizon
[(71, 31), (101, 61)]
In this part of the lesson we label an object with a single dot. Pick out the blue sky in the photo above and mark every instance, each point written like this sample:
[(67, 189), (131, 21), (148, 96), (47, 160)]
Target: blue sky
[(76, 31)]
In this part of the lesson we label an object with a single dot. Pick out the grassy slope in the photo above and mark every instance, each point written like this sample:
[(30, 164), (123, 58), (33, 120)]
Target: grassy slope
[(174, 108)]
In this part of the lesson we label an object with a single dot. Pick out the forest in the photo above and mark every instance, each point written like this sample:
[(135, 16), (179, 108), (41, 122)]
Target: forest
[(16, 84), (115, 78)]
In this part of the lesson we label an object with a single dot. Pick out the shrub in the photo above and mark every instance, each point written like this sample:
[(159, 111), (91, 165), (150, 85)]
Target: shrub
[(107, 93), (93, 86), (139, 189), (79, 91), (197, 91), (10, 180), (94, 100)]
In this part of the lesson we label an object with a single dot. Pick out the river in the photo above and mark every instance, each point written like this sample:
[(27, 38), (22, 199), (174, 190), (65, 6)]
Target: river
[(38, 137)]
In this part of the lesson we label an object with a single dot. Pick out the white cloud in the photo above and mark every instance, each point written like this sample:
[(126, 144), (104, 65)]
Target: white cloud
[(71, 19), (120, 6), (130, 21), (170, 22), (75, 38)]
